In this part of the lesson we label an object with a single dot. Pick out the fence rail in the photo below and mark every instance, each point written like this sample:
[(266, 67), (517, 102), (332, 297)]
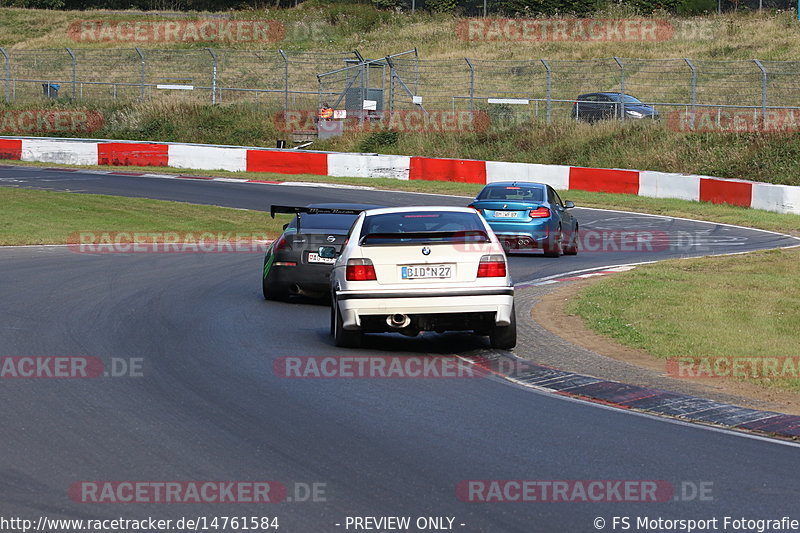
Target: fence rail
[(303, 80)]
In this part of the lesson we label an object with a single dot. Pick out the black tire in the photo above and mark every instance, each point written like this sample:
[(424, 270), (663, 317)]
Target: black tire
[(505, 337), (572, 247), (272, 291), (342, 337), (552, 247)]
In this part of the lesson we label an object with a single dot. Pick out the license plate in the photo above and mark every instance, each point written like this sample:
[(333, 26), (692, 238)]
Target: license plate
[(315, 258), (426, 272), (505, 214)]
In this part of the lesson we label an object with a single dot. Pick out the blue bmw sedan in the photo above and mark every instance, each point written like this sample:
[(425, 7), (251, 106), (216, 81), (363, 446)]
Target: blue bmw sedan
[(529, 216)]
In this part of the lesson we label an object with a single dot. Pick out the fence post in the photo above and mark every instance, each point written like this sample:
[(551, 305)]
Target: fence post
[(141, 75), (213, 77), (471, 83), (549, 89), (694, 83), (621, 86), (285, 81), (8, 74), (74, 68), (763, 88), (392, 74)]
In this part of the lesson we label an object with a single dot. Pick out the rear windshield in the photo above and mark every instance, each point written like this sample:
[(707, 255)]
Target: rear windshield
[(521, 194), (422, 226), (324, 221)]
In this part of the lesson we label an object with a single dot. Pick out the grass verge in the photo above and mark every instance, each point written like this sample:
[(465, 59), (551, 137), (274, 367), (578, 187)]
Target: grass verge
[(741, 306), (726, 214), (45, 217)]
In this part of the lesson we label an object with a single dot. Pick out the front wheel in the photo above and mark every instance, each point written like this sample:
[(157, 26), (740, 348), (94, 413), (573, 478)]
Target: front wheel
[(342, 337)]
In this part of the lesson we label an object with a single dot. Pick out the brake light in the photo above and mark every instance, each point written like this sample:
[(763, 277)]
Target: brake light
[(492, 266), (360, 270), (541, 212), (280, 244), (478, 209)]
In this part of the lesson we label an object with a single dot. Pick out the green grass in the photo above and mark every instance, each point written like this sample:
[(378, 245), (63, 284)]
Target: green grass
[(725, 214), (45, 217), (735, 306)]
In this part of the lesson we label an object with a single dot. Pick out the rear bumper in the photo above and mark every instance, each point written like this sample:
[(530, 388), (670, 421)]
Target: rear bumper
[(353, 305)]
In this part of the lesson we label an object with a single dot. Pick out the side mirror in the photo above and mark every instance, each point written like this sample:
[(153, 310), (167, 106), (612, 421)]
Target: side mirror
[(568, 204), (285, 225), (327, 252)]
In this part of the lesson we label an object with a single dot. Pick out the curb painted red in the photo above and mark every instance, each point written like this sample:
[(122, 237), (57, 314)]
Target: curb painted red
[(769, 197)]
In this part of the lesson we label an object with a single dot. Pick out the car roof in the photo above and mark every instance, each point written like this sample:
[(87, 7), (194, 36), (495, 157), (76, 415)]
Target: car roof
[(607, 93), (417, 208), (516, 184)]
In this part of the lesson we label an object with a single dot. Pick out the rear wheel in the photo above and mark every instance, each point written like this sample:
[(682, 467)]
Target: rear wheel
[(271, 290), (572, 247), (505, 337), (342, 337), (552, 248)]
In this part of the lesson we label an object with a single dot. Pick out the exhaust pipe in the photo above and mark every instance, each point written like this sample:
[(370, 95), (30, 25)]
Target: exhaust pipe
[(398, 321)]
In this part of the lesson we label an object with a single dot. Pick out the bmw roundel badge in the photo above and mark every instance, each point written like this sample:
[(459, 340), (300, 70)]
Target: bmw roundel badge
[(426, 250)]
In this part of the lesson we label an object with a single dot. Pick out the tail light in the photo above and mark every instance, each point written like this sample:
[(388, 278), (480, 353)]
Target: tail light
[(360, 270), (492, 266), (540, 212), (280, 244), (478, 209)]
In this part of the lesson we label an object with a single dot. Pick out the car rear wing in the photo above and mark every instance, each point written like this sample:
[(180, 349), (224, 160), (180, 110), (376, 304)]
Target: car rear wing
[(297, 210), (424, 237)]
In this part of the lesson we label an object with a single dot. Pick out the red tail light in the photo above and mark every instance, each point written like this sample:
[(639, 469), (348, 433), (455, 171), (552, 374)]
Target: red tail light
[(360, 270), (492, 266), (280, 244), (541, 212)]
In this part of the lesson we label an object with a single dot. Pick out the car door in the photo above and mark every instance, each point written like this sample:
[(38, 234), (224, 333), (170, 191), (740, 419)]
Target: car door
[(566, 218)]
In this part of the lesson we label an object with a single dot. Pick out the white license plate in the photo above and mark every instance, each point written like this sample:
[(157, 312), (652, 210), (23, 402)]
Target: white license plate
[(315, 258), (505, 214), (426, 271)]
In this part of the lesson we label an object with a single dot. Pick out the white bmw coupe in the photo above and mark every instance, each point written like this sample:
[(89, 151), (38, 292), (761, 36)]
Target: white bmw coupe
[(415, 269)]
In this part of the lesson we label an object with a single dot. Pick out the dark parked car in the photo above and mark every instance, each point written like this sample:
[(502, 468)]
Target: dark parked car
[(598, 106), (292, 264), (529, 216)]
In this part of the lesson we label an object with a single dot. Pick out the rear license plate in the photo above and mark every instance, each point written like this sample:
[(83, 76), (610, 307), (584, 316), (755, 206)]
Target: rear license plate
[(315, 258), (426, 272), (505, 214)]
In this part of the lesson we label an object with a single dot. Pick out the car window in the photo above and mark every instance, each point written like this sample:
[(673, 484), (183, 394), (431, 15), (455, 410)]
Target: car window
[(324, 221), (557, 197), (422, 226), (515, 193)]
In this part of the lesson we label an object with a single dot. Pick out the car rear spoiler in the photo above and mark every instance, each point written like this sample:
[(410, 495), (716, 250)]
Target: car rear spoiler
[(297, 210)]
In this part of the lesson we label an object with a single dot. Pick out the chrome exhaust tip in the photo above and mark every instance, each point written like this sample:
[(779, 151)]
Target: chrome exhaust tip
[(398, 321)]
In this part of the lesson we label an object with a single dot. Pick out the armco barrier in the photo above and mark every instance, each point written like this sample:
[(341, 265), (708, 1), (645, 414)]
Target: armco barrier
[(769, 197)]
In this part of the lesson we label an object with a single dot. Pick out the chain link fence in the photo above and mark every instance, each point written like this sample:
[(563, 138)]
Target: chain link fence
[(539, 89)]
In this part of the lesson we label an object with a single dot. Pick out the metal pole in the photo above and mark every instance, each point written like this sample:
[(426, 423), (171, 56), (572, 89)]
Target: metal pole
[(763, 88), (213, 77), (74, 68), (285, 81), (8, 73), (621, 86), (694, 82), (549, 89), (484, 8), (141, 75), (471, 84)]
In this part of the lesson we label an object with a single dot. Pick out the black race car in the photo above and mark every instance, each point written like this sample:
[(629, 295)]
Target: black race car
[(292, 265)]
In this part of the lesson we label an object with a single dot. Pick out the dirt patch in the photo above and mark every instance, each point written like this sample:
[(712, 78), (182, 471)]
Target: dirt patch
[(550, 313)]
